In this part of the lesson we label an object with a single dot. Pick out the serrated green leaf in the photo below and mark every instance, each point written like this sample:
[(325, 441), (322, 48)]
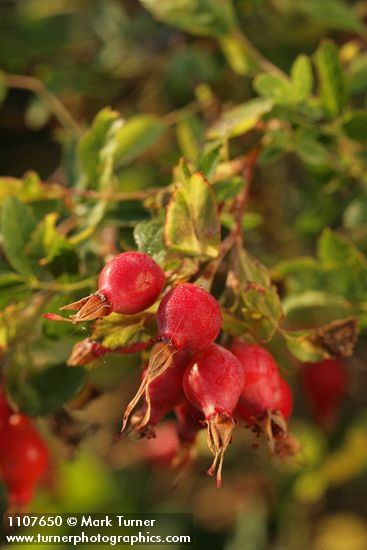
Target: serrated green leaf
[(275, 88), (148, 236), (355, 126), (239, 120), (201, 17), (136, 136), (17, 224), (302, 77), (192, 224), (332, 83), (97, 149)]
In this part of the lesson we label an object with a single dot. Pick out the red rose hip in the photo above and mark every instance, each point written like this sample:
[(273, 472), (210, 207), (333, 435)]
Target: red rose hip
[(213, 382), (325, 384), (23, 458), (189, 317), (129, 283)]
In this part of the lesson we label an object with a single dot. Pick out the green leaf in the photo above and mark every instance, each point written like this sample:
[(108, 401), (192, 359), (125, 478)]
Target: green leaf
[(236, 54), (52, 248), (341, 270), (30, 188), (334, 14), (148, 236), (56, 385), (310, 150), (356, 213), (239, 120), (253, 300), (275, 88), (261, 309), (300, 344), (136, 136), (9, 279), (124, 330), (201, 17), (355, 126), (18, 223), (336, 250), (189, 134), (209, 159), (97, 149), (332, 84), (192, 224), (228, 189), (302, 77), (312, 299)]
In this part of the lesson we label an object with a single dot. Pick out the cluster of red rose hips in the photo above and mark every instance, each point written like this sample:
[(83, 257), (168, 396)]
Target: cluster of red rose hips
[(23, 454), (203, 382)]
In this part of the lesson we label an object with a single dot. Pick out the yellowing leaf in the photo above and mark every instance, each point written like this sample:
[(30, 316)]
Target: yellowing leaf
[(192, 223)]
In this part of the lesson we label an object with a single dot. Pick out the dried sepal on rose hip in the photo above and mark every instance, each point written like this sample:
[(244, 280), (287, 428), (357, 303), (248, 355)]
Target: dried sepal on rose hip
[(189, 319), (89, 350), (163, 395), (325, 384), (23, 458), (213, 382), (266, 401), (130, 283)]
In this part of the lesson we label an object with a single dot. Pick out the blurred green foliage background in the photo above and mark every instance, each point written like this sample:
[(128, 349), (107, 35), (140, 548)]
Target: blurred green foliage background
[(171, 74)]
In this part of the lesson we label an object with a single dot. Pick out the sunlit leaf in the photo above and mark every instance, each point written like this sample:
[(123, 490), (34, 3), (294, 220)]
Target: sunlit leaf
[(192, 224), (17, 223), (202, 17), (332, 84), (136, 136)]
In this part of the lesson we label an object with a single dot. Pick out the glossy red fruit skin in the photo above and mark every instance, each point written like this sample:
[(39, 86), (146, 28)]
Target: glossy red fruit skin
[(189, 317), (166, 391), (325, 383), (266, 395), (189, 421), (131, 282), (23, 458), (257, 362), (213, 381)]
